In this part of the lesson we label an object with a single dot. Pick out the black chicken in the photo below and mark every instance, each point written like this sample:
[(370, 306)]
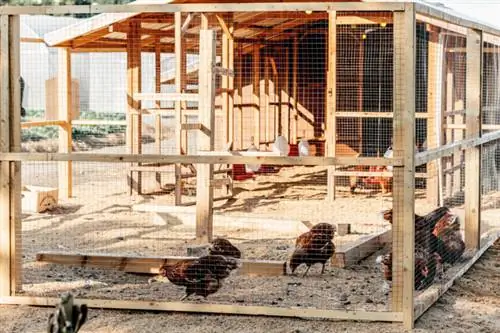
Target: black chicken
[(68, 318), (221, 246), (200, 276), (314, 246), (450, 238)]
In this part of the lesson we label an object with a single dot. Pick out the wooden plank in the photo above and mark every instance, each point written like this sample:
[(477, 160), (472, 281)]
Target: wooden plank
[(352, 253), (256, 93), (180, 85), (134, 117), (473, 123), (374, 174), (230, 82), (270, 311), (222, 158), (204, 175), (239, 102), (16, 252), (65, 173), (331, 121), (151, 265), (172, 97), (90, 122), (226, 37), (350, 114), (433, 103), (295, 68), (5, 208), (404, 181), (430, 296), (450, 149)]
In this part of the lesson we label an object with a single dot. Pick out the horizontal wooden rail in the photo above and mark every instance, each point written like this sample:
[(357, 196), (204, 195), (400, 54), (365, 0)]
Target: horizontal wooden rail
[(487, 127), (40, 123), (271, 311), (171, 97), (223, 71), (449, 149), (195, 8), (373, 174), (85, 122), (349, 114), (199, 159)]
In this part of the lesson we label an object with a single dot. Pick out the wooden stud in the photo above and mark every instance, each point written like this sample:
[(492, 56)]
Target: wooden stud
[(134, 118), (251, 310), (180, 85), (256, 93), (231, 81), (227, 63), (223, 157), (285, 96), (404, 148), (295, 69), (433, 110), (331, 124), (158, 129), (473, 122), (266, 99), (64, 105), (15, 146), (5, 207), (352, 253), (204, 175), (239, 85)]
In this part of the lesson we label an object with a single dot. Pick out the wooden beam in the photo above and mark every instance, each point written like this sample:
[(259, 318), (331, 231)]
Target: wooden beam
[(404, 148), (204, 174), (387, 115), (134, 118), (434, 95), (250, 310), (239, 105), (64, 104), (473, 122), (151, 265), (227, 58), (180, 85), (266, 98), (256, 93), (158, 129), (218, 158), (5, 207), (352, 253), (173, 97), (331, 123), (295, 69), (16, 253), (430, 296)]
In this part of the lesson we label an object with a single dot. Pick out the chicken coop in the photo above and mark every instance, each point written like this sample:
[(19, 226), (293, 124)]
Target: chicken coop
[(249, 124)]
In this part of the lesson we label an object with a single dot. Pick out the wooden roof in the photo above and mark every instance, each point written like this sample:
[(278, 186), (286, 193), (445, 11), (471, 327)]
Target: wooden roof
[(109, 31)]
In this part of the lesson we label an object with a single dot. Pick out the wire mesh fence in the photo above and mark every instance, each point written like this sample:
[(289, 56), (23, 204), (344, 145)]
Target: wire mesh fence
[(120, 230)]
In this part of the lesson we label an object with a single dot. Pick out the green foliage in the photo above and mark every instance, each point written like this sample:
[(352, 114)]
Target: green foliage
[(78, 132)]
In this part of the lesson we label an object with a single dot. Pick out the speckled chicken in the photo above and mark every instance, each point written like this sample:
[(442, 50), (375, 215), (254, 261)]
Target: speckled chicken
[(314, 246), (221, 246), (202, 276), (68, 318)]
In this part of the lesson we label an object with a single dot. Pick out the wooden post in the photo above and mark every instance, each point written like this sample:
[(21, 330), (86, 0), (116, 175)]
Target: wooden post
[(206, 116), (473, 130), (331, 123), (295, 114), (5, 208), (134, 118), (239, 85), (403, 231), (227, 81), (285, 121), (158, 105), (64, 110), (266, 99), (448, 120), (434, 110), (180, 85), (256, 93), (16, 260)]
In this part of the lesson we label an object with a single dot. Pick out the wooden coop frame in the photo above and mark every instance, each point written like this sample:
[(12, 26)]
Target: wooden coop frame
[(404, 161)]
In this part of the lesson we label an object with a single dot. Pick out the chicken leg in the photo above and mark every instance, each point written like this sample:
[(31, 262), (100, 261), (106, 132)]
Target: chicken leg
[(307, 270)]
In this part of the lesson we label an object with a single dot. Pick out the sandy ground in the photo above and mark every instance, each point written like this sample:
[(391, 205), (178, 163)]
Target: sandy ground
[(99, 219)]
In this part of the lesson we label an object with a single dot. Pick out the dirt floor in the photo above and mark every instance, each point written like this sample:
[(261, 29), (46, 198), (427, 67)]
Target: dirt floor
[(99, 219)]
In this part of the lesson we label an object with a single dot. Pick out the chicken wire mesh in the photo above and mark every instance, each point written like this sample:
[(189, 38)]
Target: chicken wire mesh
[(279, 92)]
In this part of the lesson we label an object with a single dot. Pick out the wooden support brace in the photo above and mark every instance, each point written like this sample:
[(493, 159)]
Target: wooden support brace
[(473, 123), (404, 179), (204, 175), (331, 127)]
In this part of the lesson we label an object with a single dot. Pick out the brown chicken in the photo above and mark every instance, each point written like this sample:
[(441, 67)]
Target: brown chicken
[(314, 246), (426, 267), (200, 276), (452, 244), (223, 247)]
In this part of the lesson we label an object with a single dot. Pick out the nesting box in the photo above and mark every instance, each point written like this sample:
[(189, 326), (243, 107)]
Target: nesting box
[(38, 199)]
